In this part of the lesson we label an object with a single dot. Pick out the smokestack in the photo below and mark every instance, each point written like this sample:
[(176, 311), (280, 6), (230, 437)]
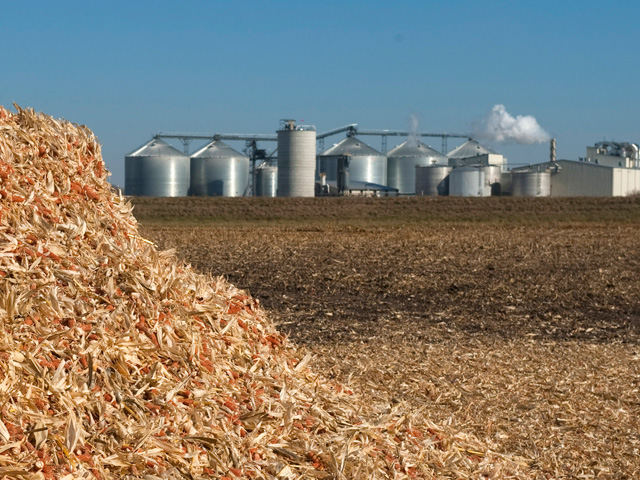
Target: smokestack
[(552, 153)]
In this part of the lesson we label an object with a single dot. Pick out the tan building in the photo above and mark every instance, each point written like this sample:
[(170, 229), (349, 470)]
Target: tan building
[(587, 179)]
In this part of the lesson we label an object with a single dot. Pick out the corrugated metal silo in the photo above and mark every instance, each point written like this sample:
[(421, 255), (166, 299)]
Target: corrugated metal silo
[(403, 160), (432, 180), (470, 148), (156, 170), (530, 184), (266, 181), (296, 161), (467, 182), (366, 164), (493, 179), (219, 170)]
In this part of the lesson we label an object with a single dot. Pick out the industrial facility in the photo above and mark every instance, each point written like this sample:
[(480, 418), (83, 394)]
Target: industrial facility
[(301, 166)]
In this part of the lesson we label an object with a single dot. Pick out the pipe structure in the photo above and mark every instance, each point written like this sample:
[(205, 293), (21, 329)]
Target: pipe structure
[(400, 133), (353, 130), (346, 128), (186, 138)]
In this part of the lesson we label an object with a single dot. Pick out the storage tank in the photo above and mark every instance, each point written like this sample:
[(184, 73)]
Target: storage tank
[(366, 164), (403, 160), (530, 183), (493, 179), (217, 170), (467, 182), (156, 170), (266, 180), (432, 180), (296, 160)]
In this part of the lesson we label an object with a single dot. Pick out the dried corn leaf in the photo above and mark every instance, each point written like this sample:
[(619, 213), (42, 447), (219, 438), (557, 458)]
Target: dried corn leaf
[(161, 371)]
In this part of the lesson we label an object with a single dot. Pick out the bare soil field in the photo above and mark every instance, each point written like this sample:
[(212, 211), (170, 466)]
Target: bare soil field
[(515, 320)]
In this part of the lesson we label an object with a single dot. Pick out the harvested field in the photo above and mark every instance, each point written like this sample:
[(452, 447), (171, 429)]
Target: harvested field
[(515, 320)]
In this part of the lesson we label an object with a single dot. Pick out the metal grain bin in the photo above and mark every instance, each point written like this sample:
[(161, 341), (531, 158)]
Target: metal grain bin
[(493, 179), (432, 180), (296, 161), (403, 160), (366, 164), (266, 181), (470, 148), (217, 170), (467, 182), (156, 170), (530, 184)]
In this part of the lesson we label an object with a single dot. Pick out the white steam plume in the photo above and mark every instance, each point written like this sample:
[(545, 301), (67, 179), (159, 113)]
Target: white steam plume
[(500, 126), (413, 130)]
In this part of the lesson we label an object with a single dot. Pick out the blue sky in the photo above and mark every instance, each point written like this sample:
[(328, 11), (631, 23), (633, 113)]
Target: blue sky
[(131, 69)]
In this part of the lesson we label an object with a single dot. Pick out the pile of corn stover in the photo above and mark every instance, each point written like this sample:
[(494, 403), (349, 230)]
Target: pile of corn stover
[(119, 361)]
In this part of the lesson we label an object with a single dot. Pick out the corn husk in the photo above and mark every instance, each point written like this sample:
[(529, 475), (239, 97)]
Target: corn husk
[(119, 361)]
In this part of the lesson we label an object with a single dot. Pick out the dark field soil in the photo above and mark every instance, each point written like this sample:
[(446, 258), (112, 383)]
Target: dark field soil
[(517, 320)]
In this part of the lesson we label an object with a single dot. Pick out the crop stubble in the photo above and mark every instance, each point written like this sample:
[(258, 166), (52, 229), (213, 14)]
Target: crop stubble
[(523, 332)]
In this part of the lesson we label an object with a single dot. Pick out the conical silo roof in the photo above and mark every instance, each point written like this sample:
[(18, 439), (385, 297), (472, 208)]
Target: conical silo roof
[(351, 146), (413, 148), (470, 148), (217, 149), (156, 148)]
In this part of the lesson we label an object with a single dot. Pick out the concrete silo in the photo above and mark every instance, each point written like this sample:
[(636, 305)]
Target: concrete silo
[(296, 160)]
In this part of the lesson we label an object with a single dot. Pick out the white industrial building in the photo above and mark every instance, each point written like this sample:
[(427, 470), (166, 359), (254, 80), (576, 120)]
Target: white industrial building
[(614, 154)]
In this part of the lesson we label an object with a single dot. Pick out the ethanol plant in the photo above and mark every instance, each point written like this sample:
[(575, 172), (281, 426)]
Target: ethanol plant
[(300, 166)]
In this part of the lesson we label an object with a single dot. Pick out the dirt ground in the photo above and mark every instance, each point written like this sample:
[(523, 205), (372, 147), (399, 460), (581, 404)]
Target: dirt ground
[(516, 320)]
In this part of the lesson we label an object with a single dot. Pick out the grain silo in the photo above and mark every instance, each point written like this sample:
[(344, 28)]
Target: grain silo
[(467, 182), (432, 180), (530, 183), (219, 170), (470, 148), (473, 153), (366, 164), (156, 170), (403, 160), (296, 160), (266, 180)]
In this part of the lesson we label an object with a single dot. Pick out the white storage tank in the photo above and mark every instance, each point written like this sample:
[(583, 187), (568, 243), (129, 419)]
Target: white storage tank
[(156, 170), (266, 180), (219, 170), (366, 164), (493, 179), (403, 160), (530, 183), (432, 180), (467, 182), (296, 160)]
